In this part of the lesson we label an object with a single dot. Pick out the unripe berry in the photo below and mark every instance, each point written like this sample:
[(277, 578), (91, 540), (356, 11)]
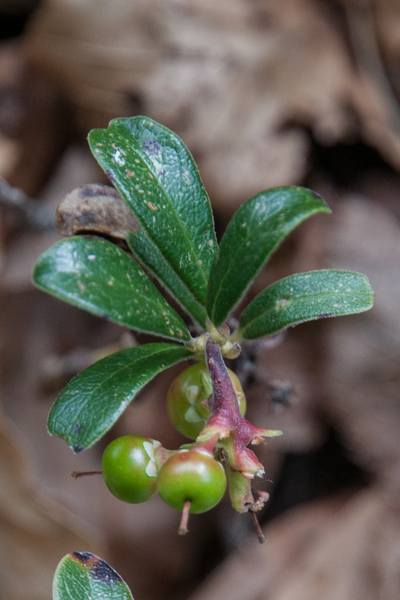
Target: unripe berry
[(129, 469), (187, 394), (194, 476)]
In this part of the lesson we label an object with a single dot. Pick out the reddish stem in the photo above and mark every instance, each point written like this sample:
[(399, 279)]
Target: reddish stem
[(227, 428), (223, 400), (224, 405)]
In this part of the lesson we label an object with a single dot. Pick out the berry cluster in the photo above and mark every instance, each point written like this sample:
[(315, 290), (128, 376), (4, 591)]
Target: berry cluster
[(205, 403), (191, 480)]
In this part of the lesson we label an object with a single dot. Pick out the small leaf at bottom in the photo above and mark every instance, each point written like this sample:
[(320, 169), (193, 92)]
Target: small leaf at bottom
[(84, 576)]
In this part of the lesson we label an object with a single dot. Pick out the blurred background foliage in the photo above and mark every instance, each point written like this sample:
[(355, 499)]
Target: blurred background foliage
[(264, 93)]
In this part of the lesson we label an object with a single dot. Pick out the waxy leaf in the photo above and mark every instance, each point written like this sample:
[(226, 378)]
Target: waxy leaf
[(156, 175), (304, 297), (96, 275), (149, 255), (93, 400), (84, 576), (254, 232)]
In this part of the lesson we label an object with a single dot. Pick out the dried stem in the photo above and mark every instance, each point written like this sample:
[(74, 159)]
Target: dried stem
[(30, 212), (257, 527), (183, 526), (76, 474)]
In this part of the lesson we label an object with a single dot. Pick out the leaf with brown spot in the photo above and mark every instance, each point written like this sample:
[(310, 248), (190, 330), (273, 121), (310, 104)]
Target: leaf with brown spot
[(85, 576)]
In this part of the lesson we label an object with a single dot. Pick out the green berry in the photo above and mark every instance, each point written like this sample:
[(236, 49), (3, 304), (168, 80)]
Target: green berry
[(186, 397), (194, 476), (129, 469)]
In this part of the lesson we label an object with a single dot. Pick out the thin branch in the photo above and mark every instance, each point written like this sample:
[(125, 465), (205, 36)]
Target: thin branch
[(29, 213)]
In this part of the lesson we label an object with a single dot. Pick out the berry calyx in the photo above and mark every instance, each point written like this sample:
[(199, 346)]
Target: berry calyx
[(129, 469), (187, 398), (192, 476)]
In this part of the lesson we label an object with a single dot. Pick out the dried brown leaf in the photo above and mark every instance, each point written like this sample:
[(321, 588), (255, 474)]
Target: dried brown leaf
[(95, 208)]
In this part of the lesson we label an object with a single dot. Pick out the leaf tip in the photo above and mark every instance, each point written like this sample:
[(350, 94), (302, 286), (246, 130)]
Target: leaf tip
[(98, 568), (324, 208)]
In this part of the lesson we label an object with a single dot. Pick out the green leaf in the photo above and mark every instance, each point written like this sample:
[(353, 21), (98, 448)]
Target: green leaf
[(156, 175), (93, 400), (149, 255), (304, 297), (96, 275), (254, 232), (84, 576)]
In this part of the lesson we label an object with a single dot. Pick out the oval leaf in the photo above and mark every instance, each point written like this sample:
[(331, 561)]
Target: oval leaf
[(149, 255), (96, 275), (93, 400), (304, 297), (156, 175), (254, 232), (85, 576)]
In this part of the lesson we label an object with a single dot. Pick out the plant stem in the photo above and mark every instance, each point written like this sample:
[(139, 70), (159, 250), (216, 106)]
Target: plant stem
[(76, 474), (223, 400), (257, 527), (183, 526)]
